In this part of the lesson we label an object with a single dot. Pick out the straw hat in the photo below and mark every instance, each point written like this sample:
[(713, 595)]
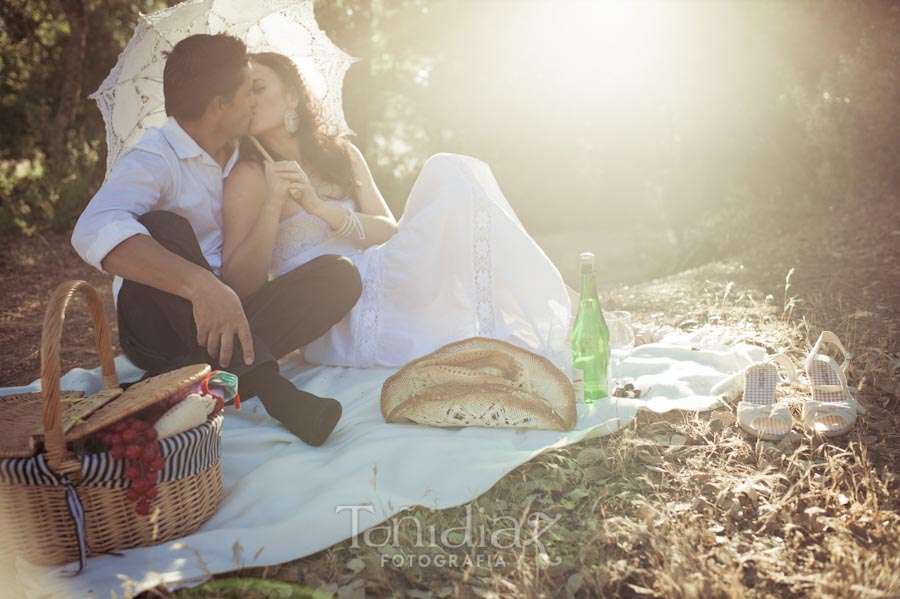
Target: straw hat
[(481, 382)]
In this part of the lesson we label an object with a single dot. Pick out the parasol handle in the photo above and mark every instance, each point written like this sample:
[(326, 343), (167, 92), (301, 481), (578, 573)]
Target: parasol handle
[(261, 149), (295, 193)]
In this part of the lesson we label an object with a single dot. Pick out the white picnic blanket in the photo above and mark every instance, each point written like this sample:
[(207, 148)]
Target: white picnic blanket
[(282, 498)]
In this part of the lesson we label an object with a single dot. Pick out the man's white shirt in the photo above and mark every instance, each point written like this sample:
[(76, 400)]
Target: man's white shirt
[(165, 170)]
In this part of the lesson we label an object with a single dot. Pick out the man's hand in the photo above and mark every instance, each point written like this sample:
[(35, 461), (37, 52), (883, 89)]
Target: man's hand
[(220, 316), (217, 309)]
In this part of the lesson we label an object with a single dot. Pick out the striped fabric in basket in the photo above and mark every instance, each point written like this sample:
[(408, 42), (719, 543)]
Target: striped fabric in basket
[(191, 465), (186, 454)]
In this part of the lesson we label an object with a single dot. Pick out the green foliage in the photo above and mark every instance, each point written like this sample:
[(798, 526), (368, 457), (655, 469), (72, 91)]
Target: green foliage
[(249, 588), (47, 176)]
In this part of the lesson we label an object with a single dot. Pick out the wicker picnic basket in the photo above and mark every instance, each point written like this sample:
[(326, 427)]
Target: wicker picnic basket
[(56, 507)]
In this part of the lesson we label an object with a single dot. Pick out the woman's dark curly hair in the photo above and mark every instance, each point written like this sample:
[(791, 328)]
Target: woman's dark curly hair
[(328, 156)]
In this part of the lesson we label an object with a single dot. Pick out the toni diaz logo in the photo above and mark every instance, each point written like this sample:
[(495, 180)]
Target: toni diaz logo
[(497, 532)]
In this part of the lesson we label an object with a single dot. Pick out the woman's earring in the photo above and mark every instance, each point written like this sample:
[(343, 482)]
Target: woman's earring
[(291, 121)]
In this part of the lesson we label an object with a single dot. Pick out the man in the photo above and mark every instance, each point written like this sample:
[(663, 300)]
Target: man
[(156, 223)]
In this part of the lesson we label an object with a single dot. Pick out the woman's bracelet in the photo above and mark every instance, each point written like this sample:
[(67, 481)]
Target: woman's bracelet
[(351, 223), (346, 227)]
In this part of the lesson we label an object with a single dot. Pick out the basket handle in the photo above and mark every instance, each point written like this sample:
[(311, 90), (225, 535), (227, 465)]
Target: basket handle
[(54, 438)]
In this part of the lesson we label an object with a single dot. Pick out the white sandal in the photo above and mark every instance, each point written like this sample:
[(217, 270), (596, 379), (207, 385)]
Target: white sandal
[(759, 413), (832, 409)]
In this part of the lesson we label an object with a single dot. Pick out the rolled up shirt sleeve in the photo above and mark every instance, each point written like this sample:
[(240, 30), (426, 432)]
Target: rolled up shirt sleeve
[(140, 182)]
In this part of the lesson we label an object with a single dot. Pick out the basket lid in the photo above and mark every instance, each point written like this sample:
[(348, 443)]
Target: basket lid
[(21, 415), (138, 396), (20, 418)]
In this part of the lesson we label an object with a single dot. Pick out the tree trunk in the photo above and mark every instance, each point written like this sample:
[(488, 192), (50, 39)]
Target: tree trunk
[(70, 90)]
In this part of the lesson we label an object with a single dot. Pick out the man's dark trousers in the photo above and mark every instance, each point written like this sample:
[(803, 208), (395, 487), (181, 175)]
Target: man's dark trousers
[(157, 329)]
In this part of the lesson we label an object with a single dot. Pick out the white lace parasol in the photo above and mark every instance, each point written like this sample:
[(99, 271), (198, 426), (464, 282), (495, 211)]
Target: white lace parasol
[(131, 97)]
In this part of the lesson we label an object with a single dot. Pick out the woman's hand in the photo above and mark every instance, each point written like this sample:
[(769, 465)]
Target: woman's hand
[(305, 194), (297, 184), (277, 185), (285, 181)]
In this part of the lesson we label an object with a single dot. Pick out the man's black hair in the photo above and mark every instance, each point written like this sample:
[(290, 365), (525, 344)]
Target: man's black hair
[(199, 68)]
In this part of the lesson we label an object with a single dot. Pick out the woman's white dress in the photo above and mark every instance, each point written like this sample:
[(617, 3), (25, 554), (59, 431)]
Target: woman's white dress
[(460, 265)]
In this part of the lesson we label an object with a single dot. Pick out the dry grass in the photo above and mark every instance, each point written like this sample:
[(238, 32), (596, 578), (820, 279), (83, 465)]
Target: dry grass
[(676, 505), (679, 505)]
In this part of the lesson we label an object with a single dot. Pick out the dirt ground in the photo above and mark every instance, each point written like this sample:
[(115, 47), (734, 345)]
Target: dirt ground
[(675, 505), (30, 270)]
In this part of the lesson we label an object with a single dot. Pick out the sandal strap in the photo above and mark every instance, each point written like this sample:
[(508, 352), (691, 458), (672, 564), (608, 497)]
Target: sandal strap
[(829, 388), (747, 412), (813, 410), (787, 364), (842, 388), (829, 337)]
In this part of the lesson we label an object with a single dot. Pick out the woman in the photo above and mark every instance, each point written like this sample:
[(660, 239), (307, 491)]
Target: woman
[(458, 264)]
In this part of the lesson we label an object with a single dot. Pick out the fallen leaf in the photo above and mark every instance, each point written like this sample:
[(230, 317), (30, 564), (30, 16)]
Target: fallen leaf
[(596, 473), (888, 386), (589, 455), (575, 582), (862, 314), (641, 590), (578, 493), (725, 416), (559, 569), (677, 440), (354, 590), (356, 565), (648, 458), (859, 532)]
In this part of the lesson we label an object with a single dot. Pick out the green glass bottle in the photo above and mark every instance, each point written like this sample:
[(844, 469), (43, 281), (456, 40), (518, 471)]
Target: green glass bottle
[(590, 339)]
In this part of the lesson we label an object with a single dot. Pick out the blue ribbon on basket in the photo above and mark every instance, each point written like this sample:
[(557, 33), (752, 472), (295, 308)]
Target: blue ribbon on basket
[(76, 510)]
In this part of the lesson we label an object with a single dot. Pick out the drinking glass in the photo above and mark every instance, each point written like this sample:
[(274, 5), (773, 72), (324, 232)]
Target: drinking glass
[(621, 342), (557, 345)]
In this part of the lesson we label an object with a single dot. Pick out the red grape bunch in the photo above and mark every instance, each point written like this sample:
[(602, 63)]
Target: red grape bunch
[(134, 440)]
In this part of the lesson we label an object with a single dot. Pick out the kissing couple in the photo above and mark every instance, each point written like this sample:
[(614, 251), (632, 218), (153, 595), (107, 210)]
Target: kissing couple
[(240, 231)]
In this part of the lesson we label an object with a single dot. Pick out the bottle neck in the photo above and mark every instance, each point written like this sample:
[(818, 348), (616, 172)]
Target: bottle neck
[(588, 286)]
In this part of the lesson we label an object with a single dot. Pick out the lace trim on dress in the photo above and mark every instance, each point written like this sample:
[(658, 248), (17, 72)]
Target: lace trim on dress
[(367, 328), (296, 234), (484, 285)]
